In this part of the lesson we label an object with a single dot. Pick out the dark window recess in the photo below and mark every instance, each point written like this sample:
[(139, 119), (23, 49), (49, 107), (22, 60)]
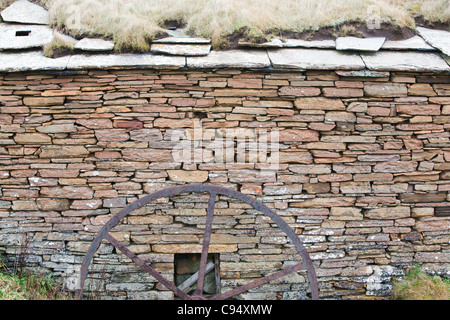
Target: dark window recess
[(442, 212), (22, 33), (186, 271), (200, 115)]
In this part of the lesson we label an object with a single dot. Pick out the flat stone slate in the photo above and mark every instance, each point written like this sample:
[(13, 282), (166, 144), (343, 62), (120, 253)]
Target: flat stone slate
[(65, 38), (178, 33), (30, 61), (405, 61), (439, 39), (16, 37), (315, 59), (88, 44), (359, 44), (364, 74), (274, 43), (252, 59), (291, 43), (23, 11), (181, 49), (182, 40), (318, 44), (446, 58), (413, 43), (103, 61)]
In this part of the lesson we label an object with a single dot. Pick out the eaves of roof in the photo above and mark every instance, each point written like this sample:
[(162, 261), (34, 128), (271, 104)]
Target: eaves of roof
[(297, 59), (24, 35)]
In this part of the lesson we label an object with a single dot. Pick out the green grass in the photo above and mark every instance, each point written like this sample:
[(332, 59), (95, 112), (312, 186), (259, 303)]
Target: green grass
[(29, 287), (20, 285), (418, 285)]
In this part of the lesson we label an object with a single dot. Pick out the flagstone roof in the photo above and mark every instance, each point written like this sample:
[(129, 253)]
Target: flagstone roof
[(25, 31)]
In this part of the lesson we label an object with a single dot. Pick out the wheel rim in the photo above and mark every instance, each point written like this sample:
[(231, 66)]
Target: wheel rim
[(213, 192)]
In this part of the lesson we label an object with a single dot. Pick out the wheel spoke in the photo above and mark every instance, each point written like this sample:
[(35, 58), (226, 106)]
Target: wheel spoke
[(205, 247), (258, 282), (213, 191), (146, 267)]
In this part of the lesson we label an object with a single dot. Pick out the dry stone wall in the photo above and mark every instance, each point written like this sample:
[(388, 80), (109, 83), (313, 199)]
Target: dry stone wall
[(363, 163)]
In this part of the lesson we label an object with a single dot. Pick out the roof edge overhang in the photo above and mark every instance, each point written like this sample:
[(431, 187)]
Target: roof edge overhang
[(286, 59)]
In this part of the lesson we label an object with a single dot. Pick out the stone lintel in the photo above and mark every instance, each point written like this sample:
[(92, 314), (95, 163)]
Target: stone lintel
[(405, 61), (254, 59), (315, 59), (346, 64), (125, 61), (30, 61)]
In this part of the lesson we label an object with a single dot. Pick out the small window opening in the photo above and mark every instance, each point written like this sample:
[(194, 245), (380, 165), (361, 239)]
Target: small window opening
[(442, 212), (200, 115), (186, 273), (22, 33)]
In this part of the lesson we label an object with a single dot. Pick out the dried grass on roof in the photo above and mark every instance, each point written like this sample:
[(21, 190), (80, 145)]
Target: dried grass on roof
[(132, 23)]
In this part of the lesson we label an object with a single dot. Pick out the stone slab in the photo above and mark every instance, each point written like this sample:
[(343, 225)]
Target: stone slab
[(65, 38), (181, 49), (178, 33), (182, 40), (89, 44), (413, 43), (125, 60), (17, 37), (252, 59), (364, 74), (359, 44), (439, 39), (446, 58), (275, 43), (405, 61), (318, 44), (35, 60), (292, 43), (23, 11), (30, 61), (315, 59)]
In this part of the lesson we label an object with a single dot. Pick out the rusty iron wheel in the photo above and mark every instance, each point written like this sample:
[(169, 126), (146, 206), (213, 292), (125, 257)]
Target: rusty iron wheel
[(213, 192)]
